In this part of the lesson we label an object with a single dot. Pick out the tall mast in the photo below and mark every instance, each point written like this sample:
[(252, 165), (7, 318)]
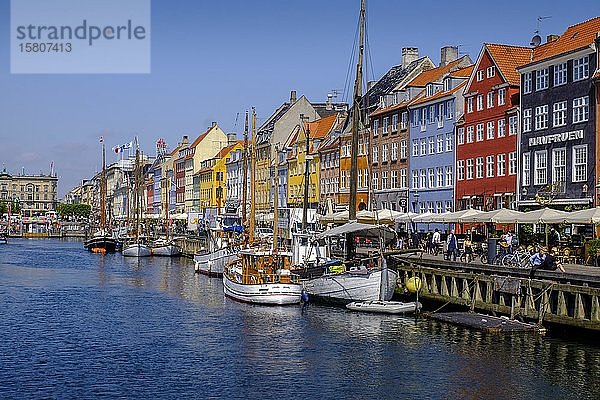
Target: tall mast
[(275, 201), (138, 203), (103, 189), (252, 180), (245, 169), (306, 177), (168, 186), (356, 116)]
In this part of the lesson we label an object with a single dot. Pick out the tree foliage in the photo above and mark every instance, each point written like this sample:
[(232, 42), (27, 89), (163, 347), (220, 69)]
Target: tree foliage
[(73, 210)]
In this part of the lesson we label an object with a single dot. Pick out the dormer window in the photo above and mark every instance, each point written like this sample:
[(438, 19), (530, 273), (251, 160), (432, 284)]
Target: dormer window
[(429, 89), (447, 84), (491, 71), (382, 101)]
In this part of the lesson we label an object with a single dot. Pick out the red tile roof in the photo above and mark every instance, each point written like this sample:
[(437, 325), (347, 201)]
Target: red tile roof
[(508, 58), (421, 98), (435, 74), (225, 150), (321, 127), (575, 37)]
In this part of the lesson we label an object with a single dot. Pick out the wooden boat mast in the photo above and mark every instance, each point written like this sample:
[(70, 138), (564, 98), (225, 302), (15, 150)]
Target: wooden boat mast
[(356, 117), (245, 172), (275, 201), (103, 190), (251, 225)]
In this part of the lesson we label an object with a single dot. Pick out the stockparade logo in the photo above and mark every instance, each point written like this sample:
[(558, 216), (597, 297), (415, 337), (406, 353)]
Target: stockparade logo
[(80, 36)]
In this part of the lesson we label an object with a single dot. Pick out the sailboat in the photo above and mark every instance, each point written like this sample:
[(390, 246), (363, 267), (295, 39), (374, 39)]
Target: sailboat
[(166, 247), (368, 278), (102, 241), (137, 248), (261, 276), (222, 247)]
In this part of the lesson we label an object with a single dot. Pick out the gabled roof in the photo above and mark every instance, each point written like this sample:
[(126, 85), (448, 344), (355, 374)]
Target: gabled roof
[(462, 72), (575, 37), (225, 150), (422, 98), (321, 127), (434, 74), (200, 138), (507, 58)]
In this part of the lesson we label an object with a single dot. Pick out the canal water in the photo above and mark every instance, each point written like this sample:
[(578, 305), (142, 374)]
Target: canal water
[(80, 325)]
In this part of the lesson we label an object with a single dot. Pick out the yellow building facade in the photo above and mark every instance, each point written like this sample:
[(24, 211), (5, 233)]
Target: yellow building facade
[(213, 175)]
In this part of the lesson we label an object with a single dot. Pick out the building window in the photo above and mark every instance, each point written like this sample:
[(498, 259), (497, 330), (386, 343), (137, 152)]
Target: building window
[(386, 122), (404, 120), (439, 172), (430, 208), (415, 179), (512, 163), (479, 132), (403, 178), (541, 117), (489, 166), (470, 168), (394, 179), (415, 148), (394, 151), (581, 69), (559, 113), (440, 115), (460, 170), (375, 127), (470, 105), (490, 99), (414, 118), (479, 167), (512, 125), (526, 169), (560, 74), (384, 153), (501, 128), (527, 83), (490, 130), (527, 120), (479, 75), (431, 145), (460, 136), (395, 123), (403, 150), (384, 180), (440, 143), (438, 207), (559, 165), (449, 176), (491, 71), (541, 79), (501, 96), (501, 165), (448, 206), (448, 142), (423, 178), (581, 109), (541, 167), (580, 163), (375, 181), (449, 107), (423, 119), (470, 130), (479, 102), (431, 178), (431, 114)]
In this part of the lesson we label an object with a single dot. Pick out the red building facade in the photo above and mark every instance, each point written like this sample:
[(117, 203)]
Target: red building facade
[(486, 135)]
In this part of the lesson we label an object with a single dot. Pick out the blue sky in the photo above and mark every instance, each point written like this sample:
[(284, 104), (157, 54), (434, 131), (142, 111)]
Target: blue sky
[(213, 59)]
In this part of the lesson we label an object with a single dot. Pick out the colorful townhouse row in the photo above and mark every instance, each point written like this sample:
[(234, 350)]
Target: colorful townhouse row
[(517, 128)]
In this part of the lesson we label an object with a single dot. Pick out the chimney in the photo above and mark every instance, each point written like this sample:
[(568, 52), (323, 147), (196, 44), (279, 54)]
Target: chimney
[(292, 97), (551, 38), (329, 102), (448, 54), (409, 54), (214, 123), (231, 138), (185, 141)]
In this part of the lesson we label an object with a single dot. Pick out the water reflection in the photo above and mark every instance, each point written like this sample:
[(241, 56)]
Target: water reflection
[(76, 324)]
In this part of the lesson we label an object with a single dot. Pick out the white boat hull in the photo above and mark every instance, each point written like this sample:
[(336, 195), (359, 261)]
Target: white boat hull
[(386, 307), (167, 250), (137, 250), (352, 286), (270, 293), (212, 264)]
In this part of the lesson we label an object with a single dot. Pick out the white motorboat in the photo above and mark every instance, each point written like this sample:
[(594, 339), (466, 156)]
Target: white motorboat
[(165, 248), (137, 250), (213, 263), (260, 277), (3, 239), (386, 307)]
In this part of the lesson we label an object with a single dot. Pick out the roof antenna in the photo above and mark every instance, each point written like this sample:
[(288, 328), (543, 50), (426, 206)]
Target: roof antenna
[(536, 40)]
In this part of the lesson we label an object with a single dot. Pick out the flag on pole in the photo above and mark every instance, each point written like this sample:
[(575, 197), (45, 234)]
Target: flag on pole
[(117, 149), (101, 139)]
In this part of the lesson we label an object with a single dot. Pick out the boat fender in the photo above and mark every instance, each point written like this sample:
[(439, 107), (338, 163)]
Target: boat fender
[(304, 296)]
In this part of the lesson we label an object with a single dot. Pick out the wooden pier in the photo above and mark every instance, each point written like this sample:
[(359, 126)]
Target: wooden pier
[(190, 245), (571, 298)]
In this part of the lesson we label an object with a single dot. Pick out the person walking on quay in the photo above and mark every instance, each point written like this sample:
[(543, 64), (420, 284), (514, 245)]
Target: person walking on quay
[(452, 246), (437, 241)]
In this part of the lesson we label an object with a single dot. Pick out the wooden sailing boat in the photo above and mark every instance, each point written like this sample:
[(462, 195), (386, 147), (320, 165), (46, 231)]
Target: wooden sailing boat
[(166, 247), (137, 248), (261, 276), (369, 278), (102, 241)]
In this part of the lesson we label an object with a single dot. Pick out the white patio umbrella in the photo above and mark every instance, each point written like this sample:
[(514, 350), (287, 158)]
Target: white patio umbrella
[(588, 216), (384, 216), (500, 216), (545, 216)]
